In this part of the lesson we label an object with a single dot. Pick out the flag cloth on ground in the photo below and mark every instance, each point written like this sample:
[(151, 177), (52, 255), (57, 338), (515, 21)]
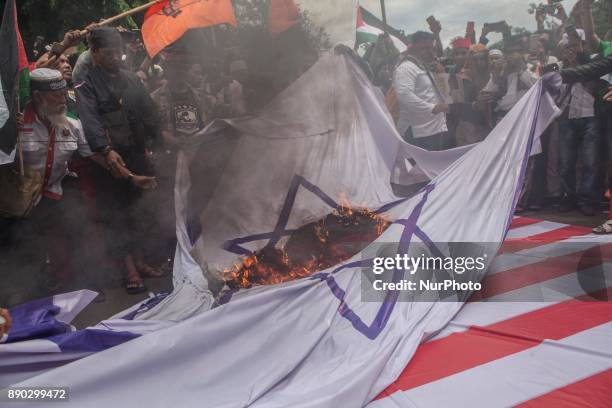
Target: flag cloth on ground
[(311, 342), (369, 34), (538, 336), (42, 337), (538, 246), (14, 78), (282, 15), (167, 21)]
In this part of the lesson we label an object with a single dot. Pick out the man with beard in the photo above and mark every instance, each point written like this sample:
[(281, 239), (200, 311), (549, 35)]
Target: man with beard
[(49, 139), (120, 122)]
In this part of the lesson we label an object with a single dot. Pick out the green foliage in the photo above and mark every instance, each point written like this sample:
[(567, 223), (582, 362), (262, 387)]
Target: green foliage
[(52, 18), (602, 17)]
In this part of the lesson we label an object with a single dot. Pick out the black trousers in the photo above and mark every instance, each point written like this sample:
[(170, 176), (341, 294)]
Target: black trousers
[(437, 142), (126, 218)]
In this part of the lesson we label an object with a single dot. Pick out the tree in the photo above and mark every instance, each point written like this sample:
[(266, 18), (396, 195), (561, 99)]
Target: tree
[(52, 18), (602, 16)]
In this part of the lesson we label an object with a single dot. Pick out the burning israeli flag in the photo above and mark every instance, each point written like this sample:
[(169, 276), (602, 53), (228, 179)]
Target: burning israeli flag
[(317, 160)]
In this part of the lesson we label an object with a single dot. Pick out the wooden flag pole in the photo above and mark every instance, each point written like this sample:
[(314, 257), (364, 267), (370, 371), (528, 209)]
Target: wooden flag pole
[(59, 48), (128, 13), (384, 15)]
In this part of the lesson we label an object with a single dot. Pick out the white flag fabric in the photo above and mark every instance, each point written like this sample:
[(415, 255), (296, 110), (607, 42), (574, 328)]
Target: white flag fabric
[(4, 111), (544, 308), (4, 115), (311, 342)]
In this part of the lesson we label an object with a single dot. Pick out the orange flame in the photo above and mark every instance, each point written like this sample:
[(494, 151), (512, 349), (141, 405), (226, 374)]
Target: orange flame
[(316, 246)]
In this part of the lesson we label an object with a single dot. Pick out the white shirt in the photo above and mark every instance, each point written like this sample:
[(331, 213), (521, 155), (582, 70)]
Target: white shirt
[(51, 159), (582, 103), (417, 97)]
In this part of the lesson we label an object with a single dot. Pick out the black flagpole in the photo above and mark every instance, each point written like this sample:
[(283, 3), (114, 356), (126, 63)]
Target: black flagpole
[(384, 15)]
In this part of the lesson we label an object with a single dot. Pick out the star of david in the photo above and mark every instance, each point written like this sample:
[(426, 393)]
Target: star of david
[(280, 229), (411, 229)]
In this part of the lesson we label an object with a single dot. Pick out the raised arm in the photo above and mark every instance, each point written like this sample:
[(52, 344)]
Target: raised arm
[(587, 72)]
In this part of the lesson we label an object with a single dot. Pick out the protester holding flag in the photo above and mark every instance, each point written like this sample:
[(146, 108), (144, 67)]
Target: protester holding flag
[(120, 122)]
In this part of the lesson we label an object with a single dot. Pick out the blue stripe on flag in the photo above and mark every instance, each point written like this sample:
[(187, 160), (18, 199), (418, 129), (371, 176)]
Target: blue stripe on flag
[(91, 340), (35, 319)]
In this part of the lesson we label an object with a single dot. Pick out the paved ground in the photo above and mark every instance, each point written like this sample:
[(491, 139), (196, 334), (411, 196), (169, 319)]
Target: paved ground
[(116, 299)]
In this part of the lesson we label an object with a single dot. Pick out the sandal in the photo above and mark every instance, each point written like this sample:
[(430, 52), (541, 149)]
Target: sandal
[(603, 229), (150, 272), (134, 285)]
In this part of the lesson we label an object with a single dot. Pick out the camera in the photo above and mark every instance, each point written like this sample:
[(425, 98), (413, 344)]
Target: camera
[(554, 67), (498, 27), (39, 47)]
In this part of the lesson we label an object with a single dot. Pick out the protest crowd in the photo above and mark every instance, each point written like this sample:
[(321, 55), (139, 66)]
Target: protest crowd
[(103, 121)]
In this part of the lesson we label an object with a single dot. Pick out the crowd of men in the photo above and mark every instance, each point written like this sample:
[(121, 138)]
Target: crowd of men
[(104, 136), (443, 101), (105, 133)]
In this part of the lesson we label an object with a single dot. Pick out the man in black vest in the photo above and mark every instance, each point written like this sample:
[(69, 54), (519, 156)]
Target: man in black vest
[(120, 121)]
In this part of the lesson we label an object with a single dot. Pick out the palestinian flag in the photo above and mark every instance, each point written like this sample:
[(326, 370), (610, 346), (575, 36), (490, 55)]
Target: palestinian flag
[(368, 33), (14, 76)]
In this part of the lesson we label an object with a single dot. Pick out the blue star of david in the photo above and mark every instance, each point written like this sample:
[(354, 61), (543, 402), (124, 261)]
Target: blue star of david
[(410, 229), (280, 230)]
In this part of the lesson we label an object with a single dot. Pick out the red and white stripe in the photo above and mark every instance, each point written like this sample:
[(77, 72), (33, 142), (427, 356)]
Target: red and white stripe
[(499, 353)]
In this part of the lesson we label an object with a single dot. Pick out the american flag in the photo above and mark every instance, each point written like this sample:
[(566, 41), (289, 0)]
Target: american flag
[(533, 353)]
